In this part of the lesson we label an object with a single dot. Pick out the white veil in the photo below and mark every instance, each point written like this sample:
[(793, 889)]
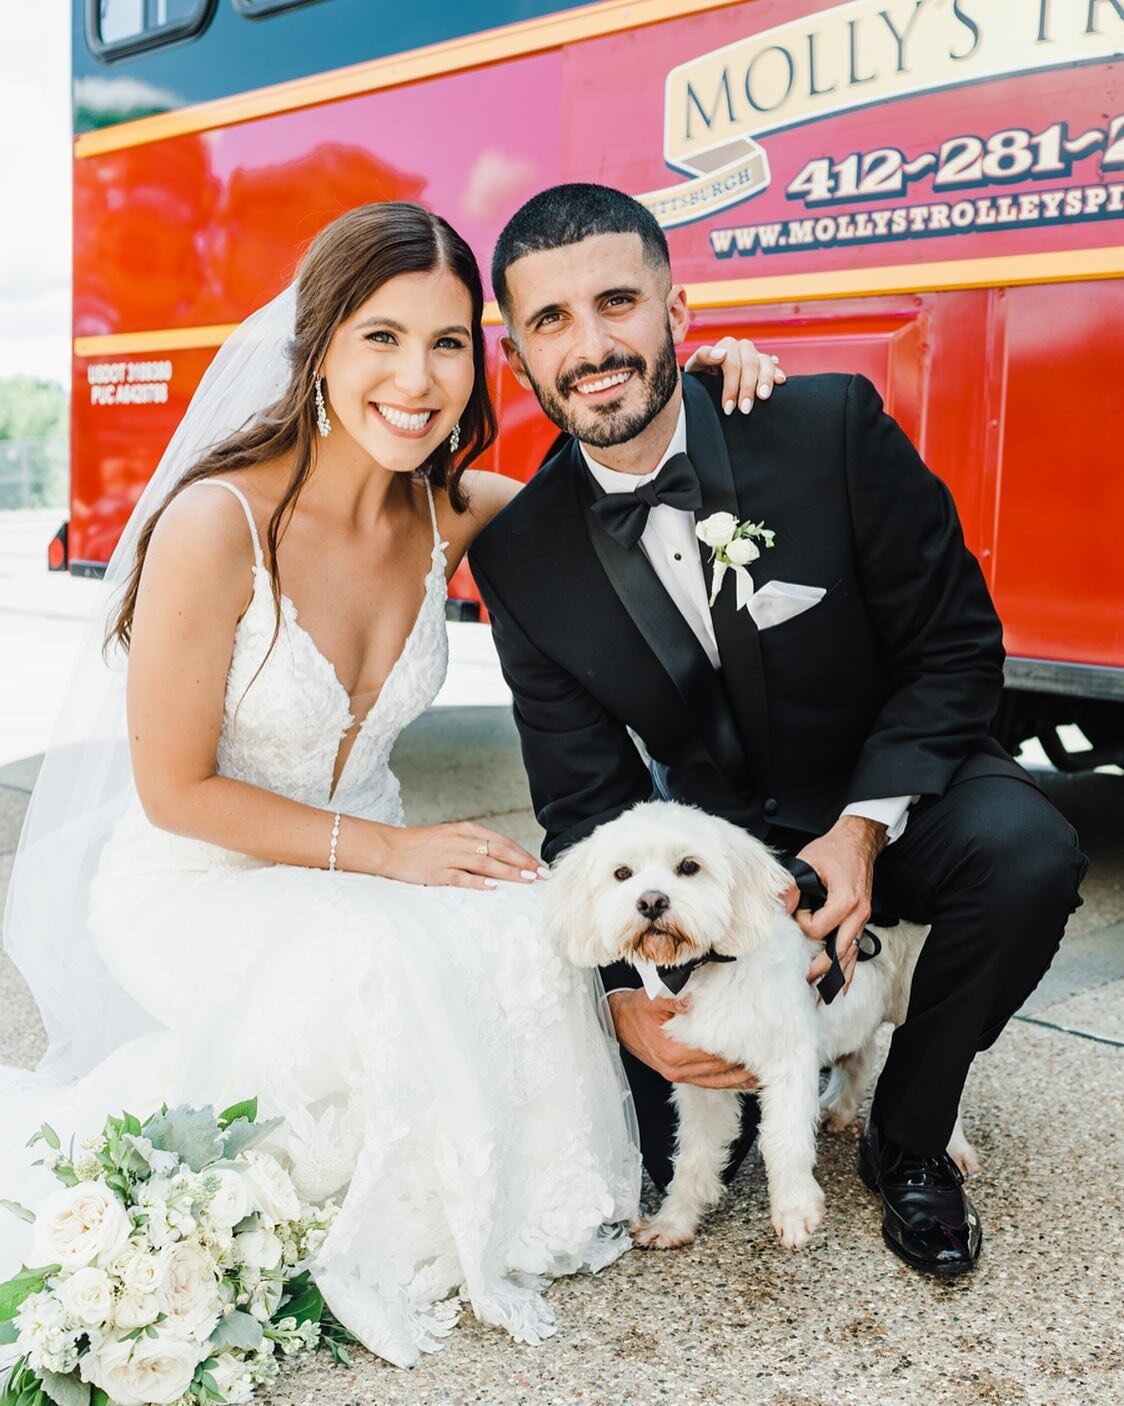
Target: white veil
[(86, 779)]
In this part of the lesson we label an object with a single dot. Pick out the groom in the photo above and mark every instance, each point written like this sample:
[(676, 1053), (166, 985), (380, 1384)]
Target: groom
[(842, 718)]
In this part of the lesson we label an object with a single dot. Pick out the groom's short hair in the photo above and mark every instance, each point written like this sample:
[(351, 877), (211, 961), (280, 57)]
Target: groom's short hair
[(567, 214)]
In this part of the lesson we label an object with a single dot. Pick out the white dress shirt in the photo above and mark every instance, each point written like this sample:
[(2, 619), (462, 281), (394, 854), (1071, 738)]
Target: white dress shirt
[(670, 544)]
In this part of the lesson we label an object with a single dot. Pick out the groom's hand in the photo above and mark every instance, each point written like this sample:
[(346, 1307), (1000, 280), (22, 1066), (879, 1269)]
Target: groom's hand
[(844, 860), (640, 1029)]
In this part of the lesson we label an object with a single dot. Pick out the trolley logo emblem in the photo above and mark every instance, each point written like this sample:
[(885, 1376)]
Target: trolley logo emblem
[(718, 107)]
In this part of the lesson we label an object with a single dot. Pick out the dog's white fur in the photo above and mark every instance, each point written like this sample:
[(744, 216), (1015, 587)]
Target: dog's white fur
[(758, 1011)]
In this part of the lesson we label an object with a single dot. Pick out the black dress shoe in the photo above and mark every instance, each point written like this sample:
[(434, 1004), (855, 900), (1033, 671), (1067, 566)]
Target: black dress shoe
[(927, 1219)]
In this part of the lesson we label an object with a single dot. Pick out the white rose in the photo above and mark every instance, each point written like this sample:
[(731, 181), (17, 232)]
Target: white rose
[(140, 1273), (270, 1187), (232, 1378), (136, 1311), (232, 1201), (261, 1249), (741, 551), (717, 529), (144, 1371), (191, 1293), (87, 1295), (80, 1225)]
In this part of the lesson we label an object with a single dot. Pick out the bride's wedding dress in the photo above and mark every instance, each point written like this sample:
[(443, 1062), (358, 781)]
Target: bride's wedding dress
[(441, 1071)]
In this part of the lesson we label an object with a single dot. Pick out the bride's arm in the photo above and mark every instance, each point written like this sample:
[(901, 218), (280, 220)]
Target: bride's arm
[(195, 585)]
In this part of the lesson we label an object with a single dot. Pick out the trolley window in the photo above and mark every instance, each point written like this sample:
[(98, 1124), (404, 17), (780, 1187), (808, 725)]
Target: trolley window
[(253, 9), (117, 28)]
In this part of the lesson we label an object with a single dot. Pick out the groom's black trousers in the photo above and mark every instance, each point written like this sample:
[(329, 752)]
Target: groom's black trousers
[(996, 870)]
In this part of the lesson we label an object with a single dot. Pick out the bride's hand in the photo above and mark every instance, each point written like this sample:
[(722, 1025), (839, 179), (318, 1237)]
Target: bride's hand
[(461, 855), (746, 372)]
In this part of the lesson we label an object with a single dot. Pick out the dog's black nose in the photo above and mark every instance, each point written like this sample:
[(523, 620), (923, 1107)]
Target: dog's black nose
[(652, 904)]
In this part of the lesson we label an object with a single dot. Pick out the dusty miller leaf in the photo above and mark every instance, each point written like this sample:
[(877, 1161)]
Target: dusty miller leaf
[(191, 1134), (65, 1390), (242, 1135), (237, 1329)]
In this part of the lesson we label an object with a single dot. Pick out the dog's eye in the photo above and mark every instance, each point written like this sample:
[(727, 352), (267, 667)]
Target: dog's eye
[(624, 872), (687, 867)]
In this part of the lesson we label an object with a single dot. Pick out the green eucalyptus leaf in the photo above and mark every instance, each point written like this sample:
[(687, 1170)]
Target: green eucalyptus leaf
[(247, 1109), (8, 1333), (294, 1288), (305, 1308), (17, 1210), (134, 1159), (10, 1391), (14, 1291), (340, 1354)]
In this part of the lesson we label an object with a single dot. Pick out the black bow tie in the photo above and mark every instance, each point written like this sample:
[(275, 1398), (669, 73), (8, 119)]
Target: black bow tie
[(625, 515), (675, 978)]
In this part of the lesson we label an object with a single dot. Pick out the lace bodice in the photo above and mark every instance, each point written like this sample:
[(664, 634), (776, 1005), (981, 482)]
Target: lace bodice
[(282, 729), (283, 723)]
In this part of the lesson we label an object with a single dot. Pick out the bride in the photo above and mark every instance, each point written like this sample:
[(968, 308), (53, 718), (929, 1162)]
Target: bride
[(216, 894)]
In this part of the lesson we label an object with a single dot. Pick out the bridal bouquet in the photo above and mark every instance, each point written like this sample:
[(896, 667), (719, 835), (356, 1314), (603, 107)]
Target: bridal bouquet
[(173, 1267)]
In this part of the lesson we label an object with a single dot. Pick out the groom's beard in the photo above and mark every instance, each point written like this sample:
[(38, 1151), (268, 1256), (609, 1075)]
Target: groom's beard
[(601, 426)]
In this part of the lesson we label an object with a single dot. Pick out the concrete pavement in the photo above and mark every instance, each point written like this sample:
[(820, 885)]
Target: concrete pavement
[(734, 1319)]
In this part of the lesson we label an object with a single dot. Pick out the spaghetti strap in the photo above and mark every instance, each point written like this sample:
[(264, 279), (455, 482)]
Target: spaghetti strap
[(433, 515), (223, 483)]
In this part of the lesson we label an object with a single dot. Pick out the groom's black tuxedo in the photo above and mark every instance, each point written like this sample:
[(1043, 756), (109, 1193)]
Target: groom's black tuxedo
[(881, 689), (886, 687)]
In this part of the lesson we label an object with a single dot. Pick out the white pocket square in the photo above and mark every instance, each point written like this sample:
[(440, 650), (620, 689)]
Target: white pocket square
[(778, 601)]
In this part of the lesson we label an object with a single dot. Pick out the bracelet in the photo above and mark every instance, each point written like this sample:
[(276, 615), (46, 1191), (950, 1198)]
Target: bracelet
[(335, 841)]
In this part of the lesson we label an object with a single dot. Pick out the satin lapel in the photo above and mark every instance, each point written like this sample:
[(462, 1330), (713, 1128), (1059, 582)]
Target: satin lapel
[(664, 630), (739, 646)]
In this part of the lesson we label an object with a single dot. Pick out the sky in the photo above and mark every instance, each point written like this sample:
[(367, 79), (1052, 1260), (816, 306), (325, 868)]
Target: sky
[(35, 155)]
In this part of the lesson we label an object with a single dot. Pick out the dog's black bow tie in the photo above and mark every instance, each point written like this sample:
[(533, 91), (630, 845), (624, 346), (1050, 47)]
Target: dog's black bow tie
[(625, 515), (813, 895), (675, 978)]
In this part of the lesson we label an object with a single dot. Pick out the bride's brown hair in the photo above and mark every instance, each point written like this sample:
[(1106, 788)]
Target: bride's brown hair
[(347, 261)]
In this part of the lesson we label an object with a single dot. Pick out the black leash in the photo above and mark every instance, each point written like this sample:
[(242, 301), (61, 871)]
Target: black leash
[(813, 896)]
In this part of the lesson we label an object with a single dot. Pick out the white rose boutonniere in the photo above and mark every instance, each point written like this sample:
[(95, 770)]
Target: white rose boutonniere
[(717, 530), (733, 545)]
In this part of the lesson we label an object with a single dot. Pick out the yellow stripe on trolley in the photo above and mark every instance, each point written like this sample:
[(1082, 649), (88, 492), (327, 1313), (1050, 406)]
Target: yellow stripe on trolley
[(1007, 271), (166, 339)]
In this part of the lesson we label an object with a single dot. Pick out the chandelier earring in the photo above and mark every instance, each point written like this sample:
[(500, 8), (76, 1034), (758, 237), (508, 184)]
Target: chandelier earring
[(455, 438), (323, 424)]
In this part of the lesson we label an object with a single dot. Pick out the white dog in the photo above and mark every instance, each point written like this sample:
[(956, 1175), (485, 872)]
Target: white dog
[(668, 884)]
